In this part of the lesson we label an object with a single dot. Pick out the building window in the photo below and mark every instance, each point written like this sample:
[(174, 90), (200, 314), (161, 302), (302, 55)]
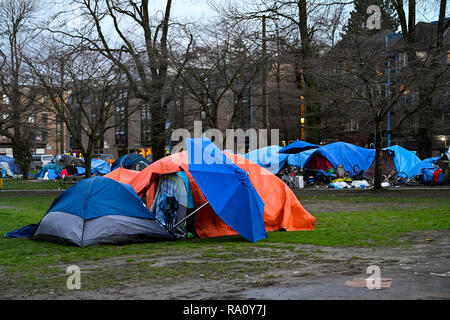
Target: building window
[(402, 60), (352, 125), (146, 125), (44, 118), (44, 135), (121, 125)]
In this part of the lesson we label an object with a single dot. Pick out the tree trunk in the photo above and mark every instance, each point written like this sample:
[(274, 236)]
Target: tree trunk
[(158, 119), (88, 161), (425, 135), (441, 24), (378, 156)]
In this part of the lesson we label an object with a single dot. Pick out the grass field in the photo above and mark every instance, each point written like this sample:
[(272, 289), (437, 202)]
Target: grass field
[(382, 223), (29, 184)]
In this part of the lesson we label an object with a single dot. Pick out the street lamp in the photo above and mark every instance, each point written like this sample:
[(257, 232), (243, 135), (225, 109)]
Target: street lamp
[(444, 138)]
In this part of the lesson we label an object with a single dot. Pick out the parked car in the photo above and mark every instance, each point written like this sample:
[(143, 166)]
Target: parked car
[(105, 156), (41, 160)]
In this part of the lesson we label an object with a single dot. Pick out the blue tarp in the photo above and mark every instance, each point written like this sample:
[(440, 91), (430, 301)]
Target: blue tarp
[(100, 196), (404, 160), (98, 167), (346, 154), (298, 160), (128, 161), (227, 188), (298, 146), (269, 158), (427, 163), (11, 162)]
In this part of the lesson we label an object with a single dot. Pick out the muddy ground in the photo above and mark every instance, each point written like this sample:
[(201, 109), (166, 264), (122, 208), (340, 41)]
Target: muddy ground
[(418, 271)]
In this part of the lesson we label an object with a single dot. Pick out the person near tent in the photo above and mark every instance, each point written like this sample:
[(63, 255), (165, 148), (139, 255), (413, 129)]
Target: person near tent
[(69, 170)]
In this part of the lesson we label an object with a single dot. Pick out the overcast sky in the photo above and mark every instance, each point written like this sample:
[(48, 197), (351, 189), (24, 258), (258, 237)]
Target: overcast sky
[(199, 10)]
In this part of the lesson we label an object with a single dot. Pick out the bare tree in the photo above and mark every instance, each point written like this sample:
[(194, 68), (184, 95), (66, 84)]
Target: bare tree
[(138, 46), (303, 26), (87, 92), (361, 78), (223, 62), (414, 45), (16, 17)]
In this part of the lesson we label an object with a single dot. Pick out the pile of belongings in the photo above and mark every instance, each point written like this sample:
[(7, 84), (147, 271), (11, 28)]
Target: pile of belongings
[(342, 183)]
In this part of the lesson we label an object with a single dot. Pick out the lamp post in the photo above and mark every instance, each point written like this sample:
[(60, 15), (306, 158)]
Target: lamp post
[(389, 97)]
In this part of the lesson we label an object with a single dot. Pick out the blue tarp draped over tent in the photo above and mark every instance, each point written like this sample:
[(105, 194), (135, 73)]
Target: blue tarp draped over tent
[(11, 162), (98, 167), (269, 158), (128, 161), (427, 163), (346, 154), (52, 169), (404, 160)]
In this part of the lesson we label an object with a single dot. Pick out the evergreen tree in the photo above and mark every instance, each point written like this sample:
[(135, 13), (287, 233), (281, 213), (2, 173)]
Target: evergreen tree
[(358, 17)]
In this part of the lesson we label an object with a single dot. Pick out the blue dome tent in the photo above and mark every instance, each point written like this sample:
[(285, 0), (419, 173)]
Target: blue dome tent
[(99, 210)]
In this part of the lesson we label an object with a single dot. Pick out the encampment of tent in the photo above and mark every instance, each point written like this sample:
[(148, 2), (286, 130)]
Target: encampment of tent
[(99, 210), (282, 210), (132, 161)]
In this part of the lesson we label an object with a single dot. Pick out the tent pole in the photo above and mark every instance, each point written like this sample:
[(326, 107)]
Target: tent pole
[(192, 213)]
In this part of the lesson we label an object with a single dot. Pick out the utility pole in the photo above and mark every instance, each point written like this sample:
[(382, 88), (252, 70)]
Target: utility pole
[(264, 73), (389, 98)]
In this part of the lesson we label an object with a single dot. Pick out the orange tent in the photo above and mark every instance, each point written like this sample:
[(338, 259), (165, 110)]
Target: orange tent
[(282, 210), (122, 175)]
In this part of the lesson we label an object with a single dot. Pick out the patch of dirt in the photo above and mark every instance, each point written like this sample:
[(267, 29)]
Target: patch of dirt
[(290, 272)]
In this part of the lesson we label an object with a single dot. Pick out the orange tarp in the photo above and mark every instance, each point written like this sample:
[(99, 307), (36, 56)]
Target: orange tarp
[(122, 175), (282, 210)]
